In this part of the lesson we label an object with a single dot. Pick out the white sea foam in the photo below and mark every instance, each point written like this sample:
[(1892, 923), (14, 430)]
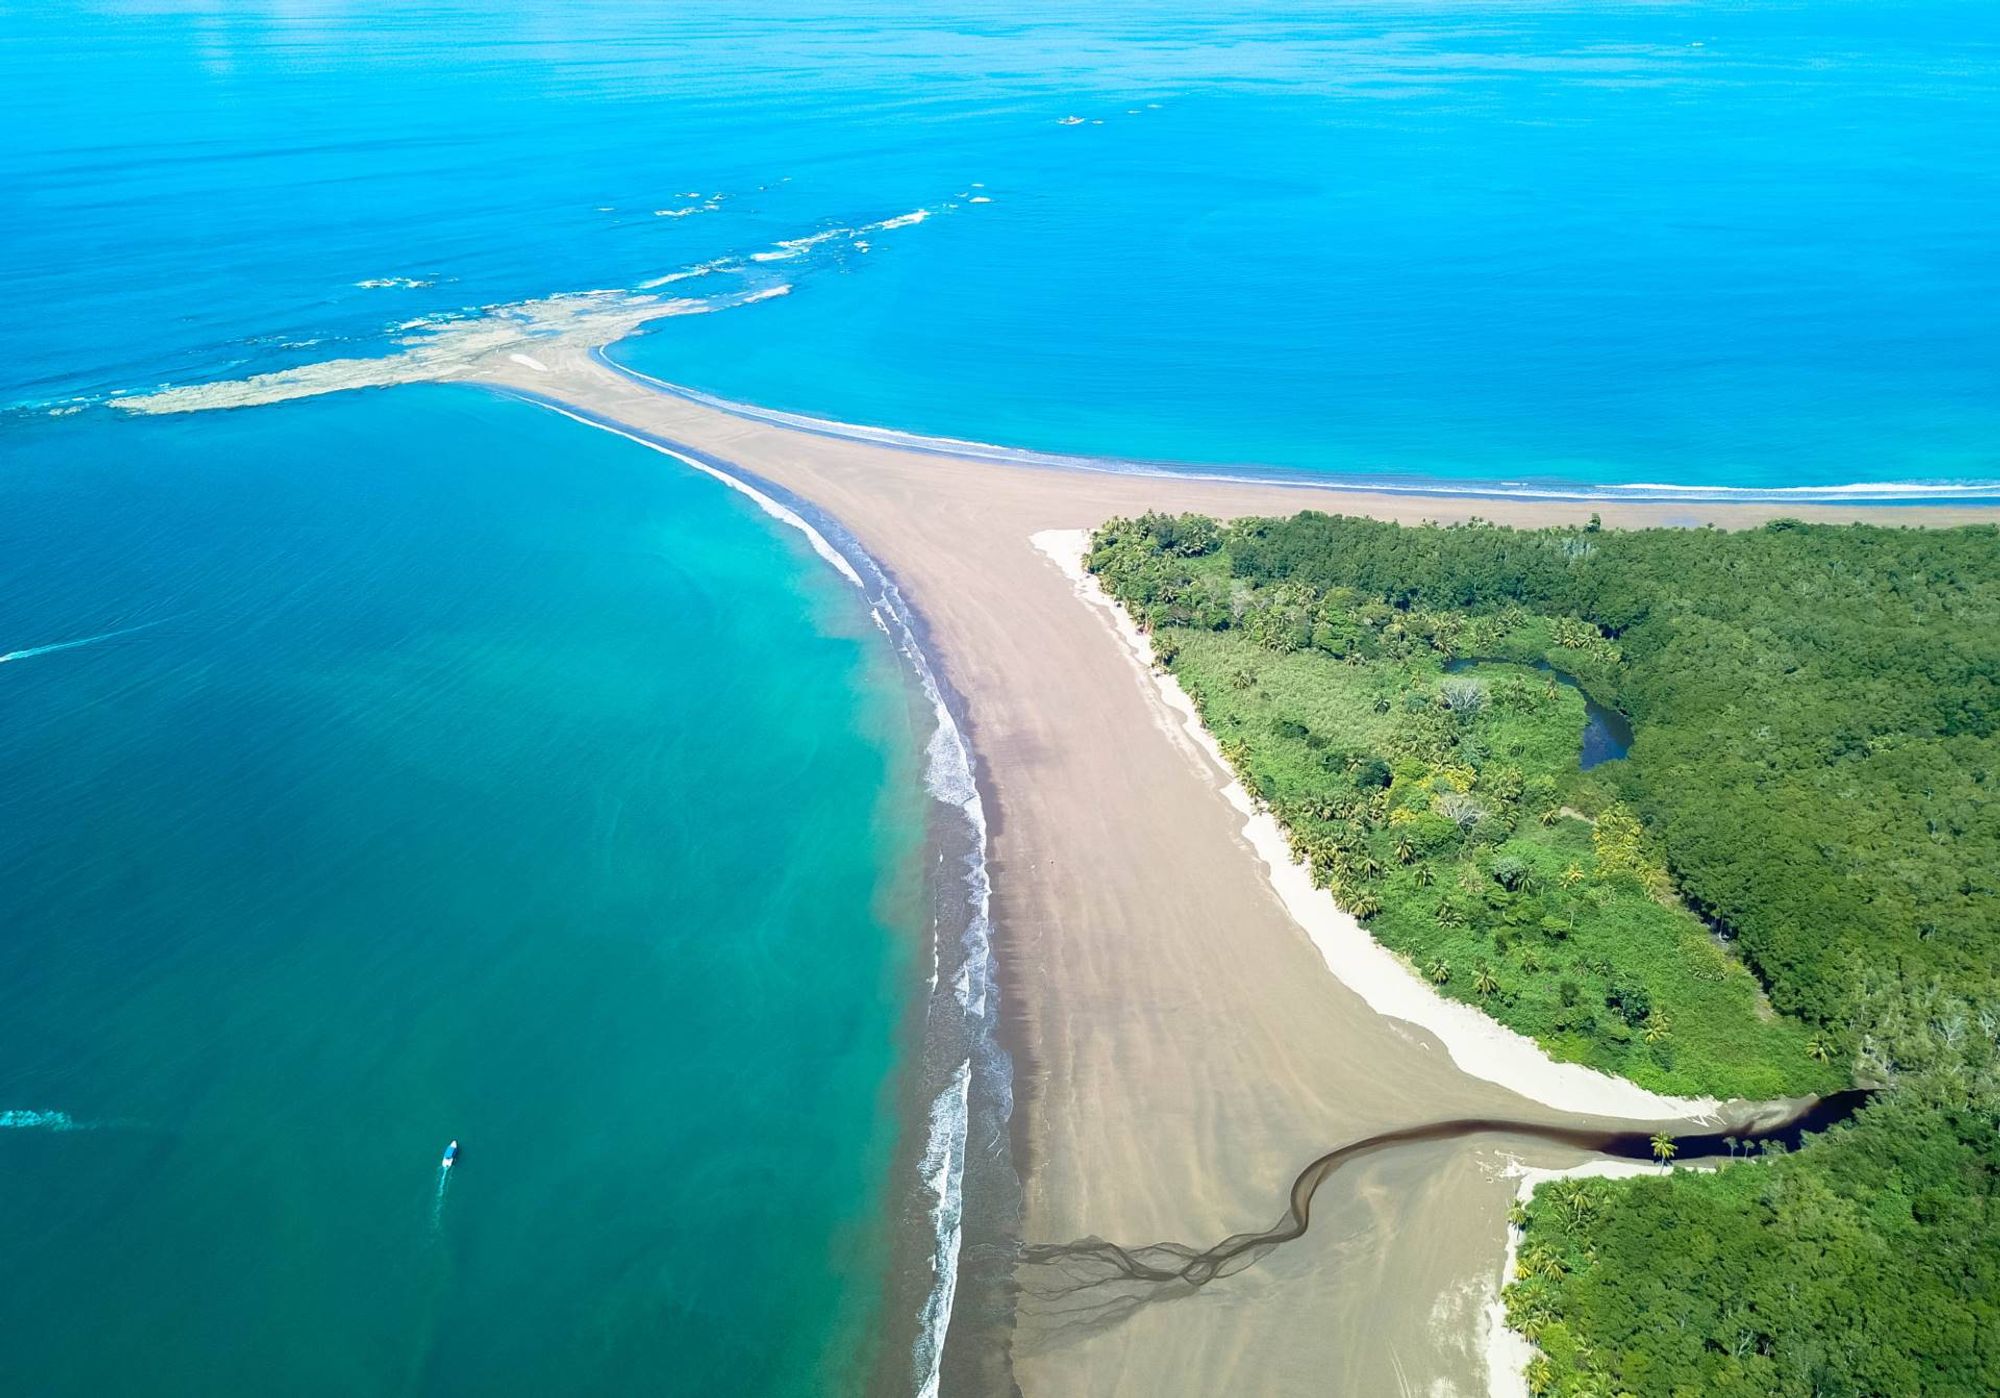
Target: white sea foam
[(439, 348), (769, 506), (700, 269), (1480, 1046), (944, 1175), (948, 777), (401, 283)]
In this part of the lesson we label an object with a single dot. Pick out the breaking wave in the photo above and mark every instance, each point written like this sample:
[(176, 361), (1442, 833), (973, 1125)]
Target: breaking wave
[(967, 1074)]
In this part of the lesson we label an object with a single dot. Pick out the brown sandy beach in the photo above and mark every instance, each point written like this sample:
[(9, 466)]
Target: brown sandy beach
[(1184, 1049)]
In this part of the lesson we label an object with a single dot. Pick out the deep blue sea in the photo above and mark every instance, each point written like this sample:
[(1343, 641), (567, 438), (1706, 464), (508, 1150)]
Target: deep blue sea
[(403, 766), (1749, 245)]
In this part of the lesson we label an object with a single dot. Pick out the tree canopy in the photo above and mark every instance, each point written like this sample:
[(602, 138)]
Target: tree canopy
[(1809, 787)]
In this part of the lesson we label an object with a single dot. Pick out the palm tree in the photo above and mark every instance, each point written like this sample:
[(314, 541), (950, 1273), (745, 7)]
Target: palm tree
[(1447, 913), (1573, 1197), (1424, 876), (1439, 971), (1730, 1142), (1485, 982), (1658, 1026), (1663, 1147), (1572, 876), (1406, 849), (1550, 816), (1818, 1049), (1364, 906)]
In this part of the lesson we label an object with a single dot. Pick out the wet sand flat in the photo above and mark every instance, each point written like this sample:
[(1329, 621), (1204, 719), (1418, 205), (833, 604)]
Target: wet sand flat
[(1182, 1049), (1182, 1046)]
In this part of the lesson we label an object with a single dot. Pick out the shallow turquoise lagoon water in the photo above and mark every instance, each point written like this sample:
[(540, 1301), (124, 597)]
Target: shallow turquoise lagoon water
[(477, 776)]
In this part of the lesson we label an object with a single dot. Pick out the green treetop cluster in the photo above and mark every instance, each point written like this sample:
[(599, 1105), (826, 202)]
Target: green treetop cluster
[(1809, 793), (1816, 709)]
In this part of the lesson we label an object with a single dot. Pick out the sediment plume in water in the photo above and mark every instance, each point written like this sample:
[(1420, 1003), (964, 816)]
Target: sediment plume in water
[(1168, 1268)]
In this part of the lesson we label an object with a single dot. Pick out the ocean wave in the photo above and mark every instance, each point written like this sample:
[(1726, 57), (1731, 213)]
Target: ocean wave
[(944, 1174), (782, 513), (962, 1027), (700, 269), (398, 283), (453, 345)]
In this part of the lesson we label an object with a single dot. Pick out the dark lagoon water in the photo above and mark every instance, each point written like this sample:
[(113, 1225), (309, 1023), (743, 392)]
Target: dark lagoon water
[(1607, 734)]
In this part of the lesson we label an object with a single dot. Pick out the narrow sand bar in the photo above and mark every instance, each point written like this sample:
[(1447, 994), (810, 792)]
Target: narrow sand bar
[(1183, 1047)]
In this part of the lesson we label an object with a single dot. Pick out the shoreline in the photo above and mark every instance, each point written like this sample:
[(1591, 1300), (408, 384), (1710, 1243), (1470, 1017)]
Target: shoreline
[(1477, 1043), (1180, 1038), (1508, 1351), (469, 345), (1413, 484), (981, 1088)]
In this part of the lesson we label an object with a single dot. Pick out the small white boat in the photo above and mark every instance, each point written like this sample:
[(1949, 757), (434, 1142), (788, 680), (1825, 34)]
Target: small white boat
[(450, 1154)]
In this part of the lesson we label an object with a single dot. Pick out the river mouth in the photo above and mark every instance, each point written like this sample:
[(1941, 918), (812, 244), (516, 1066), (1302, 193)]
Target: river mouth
[(1132, 1275)]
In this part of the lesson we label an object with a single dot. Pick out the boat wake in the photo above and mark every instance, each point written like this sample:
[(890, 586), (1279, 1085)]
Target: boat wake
[(50, 649), (23, 1120)]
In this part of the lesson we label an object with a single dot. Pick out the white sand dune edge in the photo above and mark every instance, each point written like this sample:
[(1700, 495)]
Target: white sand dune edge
[(1478, 1045)]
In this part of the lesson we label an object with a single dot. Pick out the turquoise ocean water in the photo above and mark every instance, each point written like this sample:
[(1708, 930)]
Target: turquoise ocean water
[(472, 776), (457, 770)]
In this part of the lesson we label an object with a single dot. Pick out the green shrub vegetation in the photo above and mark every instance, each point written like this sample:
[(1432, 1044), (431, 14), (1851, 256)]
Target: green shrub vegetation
[(1866, 1264), (1795, 870)]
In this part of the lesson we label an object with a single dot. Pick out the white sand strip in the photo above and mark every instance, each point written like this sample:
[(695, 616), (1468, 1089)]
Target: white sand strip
[(1478, 1045)]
